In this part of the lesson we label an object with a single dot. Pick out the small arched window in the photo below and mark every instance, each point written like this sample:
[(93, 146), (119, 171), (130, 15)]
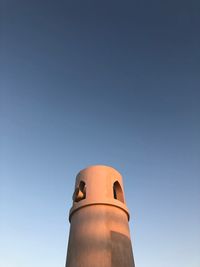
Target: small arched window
[(80, 192), (117, 192)]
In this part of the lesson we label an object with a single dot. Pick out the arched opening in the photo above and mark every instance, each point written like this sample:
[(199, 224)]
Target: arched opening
[(117, 192), (80, 192)]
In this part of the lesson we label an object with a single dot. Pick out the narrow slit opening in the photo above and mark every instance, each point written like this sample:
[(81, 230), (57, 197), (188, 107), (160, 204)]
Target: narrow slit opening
[(117, 192), (80, 192)]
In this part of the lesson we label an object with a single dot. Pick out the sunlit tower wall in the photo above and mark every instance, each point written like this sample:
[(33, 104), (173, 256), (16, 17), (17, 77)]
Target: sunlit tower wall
[(99, 232)]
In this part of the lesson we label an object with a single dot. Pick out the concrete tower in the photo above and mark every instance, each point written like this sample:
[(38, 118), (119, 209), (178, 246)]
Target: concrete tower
[(99, 232)]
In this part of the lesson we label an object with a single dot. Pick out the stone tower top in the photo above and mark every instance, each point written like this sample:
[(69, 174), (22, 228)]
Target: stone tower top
[(98, 184)]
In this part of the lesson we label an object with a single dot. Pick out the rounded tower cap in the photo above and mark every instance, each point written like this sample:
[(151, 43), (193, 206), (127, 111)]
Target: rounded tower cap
[(98, 185)]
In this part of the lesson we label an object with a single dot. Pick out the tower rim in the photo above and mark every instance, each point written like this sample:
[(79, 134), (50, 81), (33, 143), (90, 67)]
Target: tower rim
[(118, 204), (98, 166)]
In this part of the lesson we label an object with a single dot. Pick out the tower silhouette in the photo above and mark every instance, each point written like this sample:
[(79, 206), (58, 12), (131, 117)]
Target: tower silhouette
[(99, 232)]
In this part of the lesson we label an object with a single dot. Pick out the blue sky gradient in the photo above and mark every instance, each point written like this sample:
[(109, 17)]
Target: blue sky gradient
[(100, 82)]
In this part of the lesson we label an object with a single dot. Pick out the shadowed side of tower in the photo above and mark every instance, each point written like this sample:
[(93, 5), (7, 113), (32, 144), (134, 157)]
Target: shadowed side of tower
[(99, 231)]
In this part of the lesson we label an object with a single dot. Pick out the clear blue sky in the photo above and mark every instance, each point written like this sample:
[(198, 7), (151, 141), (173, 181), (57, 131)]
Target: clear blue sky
[(100, 82)]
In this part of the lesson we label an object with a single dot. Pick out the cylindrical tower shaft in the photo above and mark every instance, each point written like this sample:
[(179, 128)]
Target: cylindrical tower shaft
[(99, 232)]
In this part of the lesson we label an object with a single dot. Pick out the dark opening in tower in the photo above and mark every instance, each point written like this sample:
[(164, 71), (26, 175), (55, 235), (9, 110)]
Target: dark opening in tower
[(80, 192), (117, 192)]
